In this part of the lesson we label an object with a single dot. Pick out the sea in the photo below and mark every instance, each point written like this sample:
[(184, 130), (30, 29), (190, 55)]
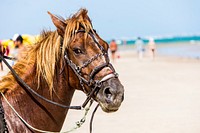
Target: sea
[(181, 49), (182, 46)]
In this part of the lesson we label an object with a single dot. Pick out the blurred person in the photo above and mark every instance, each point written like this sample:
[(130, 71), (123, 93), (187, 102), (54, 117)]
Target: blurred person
[(139, 44), (18, 47), (113, 49), (152, 47)]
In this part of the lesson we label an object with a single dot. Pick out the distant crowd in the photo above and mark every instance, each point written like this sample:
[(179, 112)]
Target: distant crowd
[(139, 46)]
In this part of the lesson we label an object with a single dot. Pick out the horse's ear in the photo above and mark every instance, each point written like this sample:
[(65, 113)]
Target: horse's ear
[(59, 23)]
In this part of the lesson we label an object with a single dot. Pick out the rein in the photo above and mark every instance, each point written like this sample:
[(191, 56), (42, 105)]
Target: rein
[(27, 87), (94, 84)]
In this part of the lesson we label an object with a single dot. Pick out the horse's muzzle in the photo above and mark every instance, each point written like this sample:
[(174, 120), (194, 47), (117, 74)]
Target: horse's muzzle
[(111, 95)]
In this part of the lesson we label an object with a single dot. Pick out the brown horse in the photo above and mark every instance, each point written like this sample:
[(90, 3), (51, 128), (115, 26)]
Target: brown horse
[(71, 58)]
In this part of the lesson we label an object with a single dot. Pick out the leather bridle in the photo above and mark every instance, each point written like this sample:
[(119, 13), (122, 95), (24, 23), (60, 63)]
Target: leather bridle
[(95, 85)]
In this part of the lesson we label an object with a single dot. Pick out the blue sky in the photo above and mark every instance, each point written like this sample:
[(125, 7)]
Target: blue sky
[(111, 18)]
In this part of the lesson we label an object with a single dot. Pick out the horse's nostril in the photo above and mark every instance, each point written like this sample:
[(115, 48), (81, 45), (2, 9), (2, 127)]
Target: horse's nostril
[(107, 92)]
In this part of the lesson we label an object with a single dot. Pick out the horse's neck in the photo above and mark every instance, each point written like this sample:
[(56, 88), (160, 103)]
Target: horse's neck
[(36, 112)]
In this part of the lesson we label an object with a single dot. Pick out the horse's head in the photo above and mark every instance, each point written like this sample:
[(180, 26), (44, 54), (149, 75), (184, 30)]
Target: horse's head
[(87, 55)]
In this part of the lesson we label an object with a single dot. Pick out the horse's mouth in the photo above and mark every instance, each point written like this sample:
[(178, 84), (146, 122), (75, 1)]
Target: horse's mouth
[(108, 109)]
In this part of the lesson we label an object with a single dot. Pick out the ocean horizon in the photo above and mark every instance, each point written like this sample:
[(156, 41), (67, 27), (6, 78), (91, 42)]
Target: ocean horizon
[(161, 39), (185, 49)]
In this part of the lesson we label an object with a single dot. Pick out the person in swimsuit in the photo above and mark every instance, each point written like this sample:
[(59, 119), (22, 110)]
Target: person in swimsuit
[(113, 49), (152, 47)]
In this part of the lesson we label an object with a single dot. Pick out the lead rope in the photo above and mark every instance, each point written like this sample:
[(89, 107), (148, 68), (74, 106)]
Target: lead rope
[(78, 123)]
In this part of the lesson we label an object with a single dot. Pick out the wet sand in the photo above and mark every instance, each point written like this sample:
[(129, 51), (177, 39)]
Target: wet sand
[(161, 96)]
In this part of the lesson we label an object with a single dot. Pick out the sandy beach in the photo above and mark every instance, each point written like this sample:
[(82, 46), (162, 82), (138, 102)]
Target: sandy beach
[(161, 96)]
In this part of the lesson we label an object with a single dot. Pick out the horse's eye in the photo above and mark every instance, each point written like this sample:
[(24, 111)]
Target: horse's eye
[(77, 51)]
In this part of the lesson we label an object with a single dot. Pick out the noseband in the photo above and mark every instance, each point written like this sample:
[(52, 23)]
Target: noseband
[(93, 84)]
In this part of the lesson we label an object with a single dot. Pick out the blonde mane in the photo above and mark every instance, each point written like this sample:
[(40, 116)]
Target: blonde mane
[(46, 53)]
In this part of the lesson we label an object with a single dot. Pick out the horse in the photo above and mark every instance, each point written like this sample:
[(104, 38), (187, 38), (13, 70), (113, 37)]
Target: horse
[(73, 57)]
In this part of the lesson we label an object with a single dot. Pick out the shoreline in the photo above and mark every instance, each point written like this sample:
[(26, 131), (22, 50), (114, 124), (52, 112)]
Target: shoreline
[(182, 50), (132, 54)]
